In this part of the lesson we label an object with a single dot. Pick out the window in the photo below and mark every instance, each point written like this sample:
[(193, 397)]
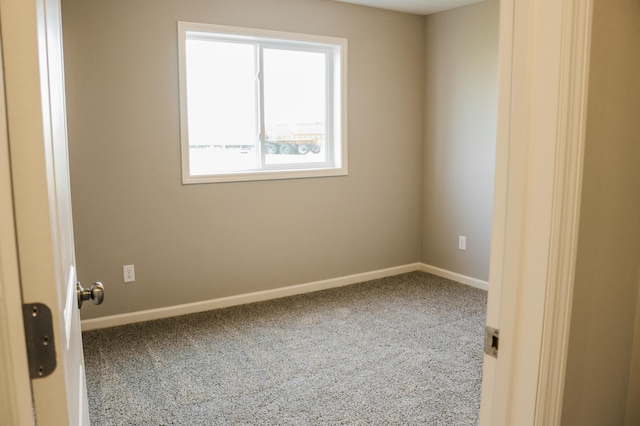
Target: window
[(258, 104)]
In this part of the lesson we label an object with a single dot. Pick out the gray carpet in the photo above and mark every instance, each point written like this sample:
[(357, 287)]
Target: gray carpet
[(399, 350)]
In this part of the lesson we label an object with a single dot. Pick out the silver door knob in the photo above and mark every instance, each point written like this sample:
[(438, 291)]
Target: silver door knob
[(95, 293)]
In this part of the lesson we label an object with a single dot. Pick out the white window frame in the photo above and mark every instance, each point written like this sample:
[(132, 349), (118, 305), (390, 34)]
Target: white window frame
[(336, 126)]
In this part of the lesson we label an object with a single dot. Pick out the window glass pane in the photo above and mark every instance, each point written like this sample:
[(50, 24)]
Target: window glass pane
[(295, 91), (222, 106), (257, 104)]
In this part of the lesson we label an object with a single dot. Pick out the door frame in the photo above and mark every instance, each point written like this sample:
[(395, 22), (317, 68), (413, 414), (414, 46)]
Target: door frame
[(539, 124), (15, 391), (544, 50)]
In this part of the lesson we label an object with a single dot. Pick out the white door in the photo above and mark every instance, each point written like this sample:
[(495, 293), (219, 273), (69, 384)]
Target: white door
[(31, 33)]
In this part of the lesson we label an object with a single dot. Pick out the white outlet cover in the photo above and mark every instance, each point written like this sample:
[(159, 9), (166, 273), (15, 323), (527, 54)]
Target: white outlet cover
[(462, 243), (129, 274)]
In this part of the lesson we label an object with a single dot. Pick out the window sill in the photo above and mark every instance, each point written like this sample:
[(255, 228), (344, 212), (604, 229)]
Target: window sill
[(264, 175)]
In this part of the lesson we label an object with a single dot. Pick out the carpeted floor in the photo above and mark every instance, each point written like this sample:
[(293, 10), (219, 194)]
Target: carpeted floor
[(400, 350)]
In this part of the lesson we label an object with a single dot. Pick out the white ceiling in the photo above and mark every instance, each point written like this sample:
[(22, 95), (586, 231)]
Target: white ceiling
[(419, 7)]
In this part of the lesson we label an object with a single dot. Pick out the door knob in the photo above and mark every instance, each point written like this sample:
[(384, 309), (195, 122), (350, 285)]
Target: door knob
[(95, 293)]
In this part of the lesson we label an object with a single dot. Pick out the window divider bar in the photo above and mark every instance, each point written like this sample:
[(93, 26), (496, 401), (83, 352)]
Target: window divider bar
[(260, 105)]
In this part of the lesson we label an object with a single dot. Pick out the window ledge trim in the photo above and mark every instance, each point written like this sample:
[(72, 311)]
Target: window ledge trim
[(264, 175)]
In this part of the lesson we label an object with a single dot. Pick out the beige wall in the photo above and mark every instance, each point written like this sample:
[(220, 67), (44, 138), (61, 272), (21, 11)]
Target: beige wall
[(199, 242), (460, 132), (606, 285)]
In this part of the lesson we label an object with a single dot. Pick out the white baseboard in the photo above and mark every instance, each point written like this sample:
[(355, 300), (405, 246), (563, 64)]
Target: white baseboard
[(454, 276), (241, 299), (260, 296)]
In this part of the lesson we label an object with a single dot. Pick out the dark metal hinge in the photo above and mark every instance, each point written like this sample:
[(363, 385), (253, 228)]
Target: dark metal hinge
[(41, 348), (491, 341)]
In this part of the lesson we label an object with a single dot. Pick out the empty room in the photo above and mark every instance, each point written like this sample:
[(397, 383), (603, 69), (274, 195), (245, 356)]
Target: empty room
[(288, 204), (412, 119)]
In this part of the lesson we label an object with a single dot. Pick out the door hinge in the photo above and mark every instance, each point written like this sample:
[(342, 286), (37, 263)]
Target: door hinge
[(41, 348), (491, 341)]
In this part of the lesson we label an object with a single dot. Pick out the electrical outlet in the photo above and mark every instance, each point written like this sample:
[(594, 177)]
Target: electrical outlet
[(462, 242), (129, 273)]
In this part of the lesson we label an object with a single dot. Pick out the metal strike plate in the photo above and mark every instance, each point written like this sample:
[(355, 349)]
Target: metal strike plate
[(41, 350), (491, 341)]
